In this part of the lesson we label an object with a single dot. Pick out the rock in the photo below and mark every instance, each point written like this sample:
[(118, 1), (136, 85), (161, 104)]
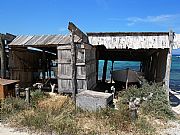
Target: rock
[(92, 100)]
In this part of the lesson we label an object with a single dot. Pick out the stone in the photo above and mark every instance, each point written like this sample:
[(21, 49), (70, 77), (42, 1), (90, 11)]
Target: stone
[(92, 100)]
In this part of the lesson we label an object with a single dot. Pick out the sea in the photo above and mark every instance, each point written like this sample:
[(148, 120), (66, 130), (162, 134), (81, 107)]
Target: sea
[(174, 76)]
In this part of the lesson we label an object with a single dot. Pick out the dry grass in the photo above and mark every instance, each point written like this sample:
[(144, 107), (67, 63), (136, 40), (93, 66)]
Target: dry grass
[(58, 114), (53, 103)]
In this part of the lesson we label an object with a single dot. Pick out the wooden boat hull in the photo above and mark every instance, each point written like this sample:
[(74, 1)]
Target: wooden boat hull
[(126, 75)]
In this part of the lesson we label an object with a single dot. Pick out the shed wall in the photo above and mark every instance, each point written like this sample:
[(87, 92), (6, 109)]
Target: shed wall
[(22, 64), (133, 42), (85, 66)]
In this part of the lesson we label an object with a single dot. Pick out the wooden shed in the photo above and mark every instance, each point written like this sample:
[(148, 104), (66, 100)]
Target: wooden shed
[(5, 39), (78, 53), (76, 62), (152, 49), (7, 88), (76, 59)]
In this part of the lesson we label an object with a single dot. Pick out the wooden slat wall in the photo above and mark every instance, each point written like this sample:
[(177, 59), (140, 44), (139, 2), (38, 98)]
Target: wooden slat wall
[(133, 42), (22, 64), (86, 67)]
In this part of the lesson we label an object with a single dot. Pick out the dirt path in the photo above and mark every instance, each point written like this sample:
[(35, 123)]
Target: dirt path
[(10, 131)]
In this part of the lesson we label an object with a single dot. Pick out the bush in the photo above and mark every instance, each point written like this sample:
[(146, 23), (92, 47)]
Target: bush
[(42, 118), (11, 106), (157, 106), (143, 127), (36, 96)]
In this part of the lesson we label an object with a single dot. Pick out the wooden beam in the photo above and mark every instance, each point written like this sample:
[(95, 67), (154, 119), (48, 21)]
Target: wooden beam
[(78, 32), (112, 67), (3, 60), (104, 71), (73, 63), (43, 65), (127, 75), (169, 59), (9, 37)]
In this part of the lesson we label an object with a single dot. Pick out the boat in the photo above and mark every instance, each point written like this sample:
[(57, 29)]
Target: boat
[(126, 76)]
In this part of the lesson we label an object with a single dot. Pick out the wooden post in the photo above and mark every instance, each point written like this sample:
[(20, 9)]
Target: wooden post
[(49, 67), (17, 91), (73, 64), (127, 76), (169, 59), (27, 95), (159, 72), (112, 66), (153, 68), (3, 70), (43, 66), (104, 71)]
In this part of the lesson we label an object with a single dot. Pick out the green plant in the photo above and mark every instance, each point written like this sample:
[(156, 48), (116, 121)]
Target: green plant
[(11, 106), (157, 106), (36, 96), (143, 127)]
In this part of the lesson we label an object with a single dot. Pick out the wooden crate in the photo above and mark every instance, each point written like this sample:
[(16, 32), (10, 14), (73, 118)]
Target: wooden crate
[(7, 88), (85, 64)]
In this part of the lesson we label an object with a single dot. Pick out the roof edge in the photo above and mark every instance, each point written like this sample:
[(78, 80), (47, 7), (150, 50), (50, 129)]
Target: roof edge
[(127, 33)]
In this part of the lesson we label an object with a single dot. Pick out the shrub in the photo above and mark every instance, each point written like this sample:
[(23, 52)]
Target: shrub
[(143, 127), (11, 106), (157, 106), (36, 96)]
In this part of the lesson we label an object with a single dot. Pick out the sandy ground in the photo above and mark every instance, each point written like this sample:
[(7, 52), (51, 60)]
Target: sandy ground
[(10, 131)]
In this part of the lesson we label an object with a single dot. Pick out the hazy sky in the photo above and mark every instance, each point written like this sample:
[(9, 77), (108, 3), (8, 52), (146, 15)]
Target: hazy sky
[(52, 16)]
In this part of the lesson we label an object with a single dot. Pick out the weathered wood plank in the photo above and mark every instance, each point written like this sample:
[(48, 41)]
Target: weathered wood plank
[(133, 42), (104, 71), (78, 32), (169, 59)]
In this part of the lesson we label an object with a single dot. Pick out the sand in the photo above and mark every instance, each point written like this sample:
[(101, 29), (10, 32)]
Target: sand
[(4, 130)]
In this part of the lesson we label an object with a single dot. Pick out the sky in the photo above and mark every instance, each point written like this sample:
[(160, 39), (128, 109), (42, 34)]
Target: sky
[(52, 16), (29, 17)]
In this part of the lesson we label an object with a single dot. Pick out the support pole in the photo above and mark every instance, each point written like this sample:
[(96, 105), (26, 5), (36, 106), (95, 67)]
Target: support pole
[(49, 67), (112, 66), (169, 59), (104, 71), (27, 95), (3, 61), (17, 90), (43, 66), (73, 64), (127, 76)]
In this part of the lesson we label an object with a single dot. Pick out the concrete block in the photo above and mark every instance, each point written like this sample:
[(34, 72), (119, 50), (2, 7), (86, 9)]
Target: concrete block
[(92, 100)]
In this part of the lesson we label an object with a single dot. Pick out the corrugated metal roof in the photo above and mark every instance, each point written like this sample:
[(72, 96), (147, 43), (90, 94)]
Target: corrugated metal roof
[(41, 40)]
